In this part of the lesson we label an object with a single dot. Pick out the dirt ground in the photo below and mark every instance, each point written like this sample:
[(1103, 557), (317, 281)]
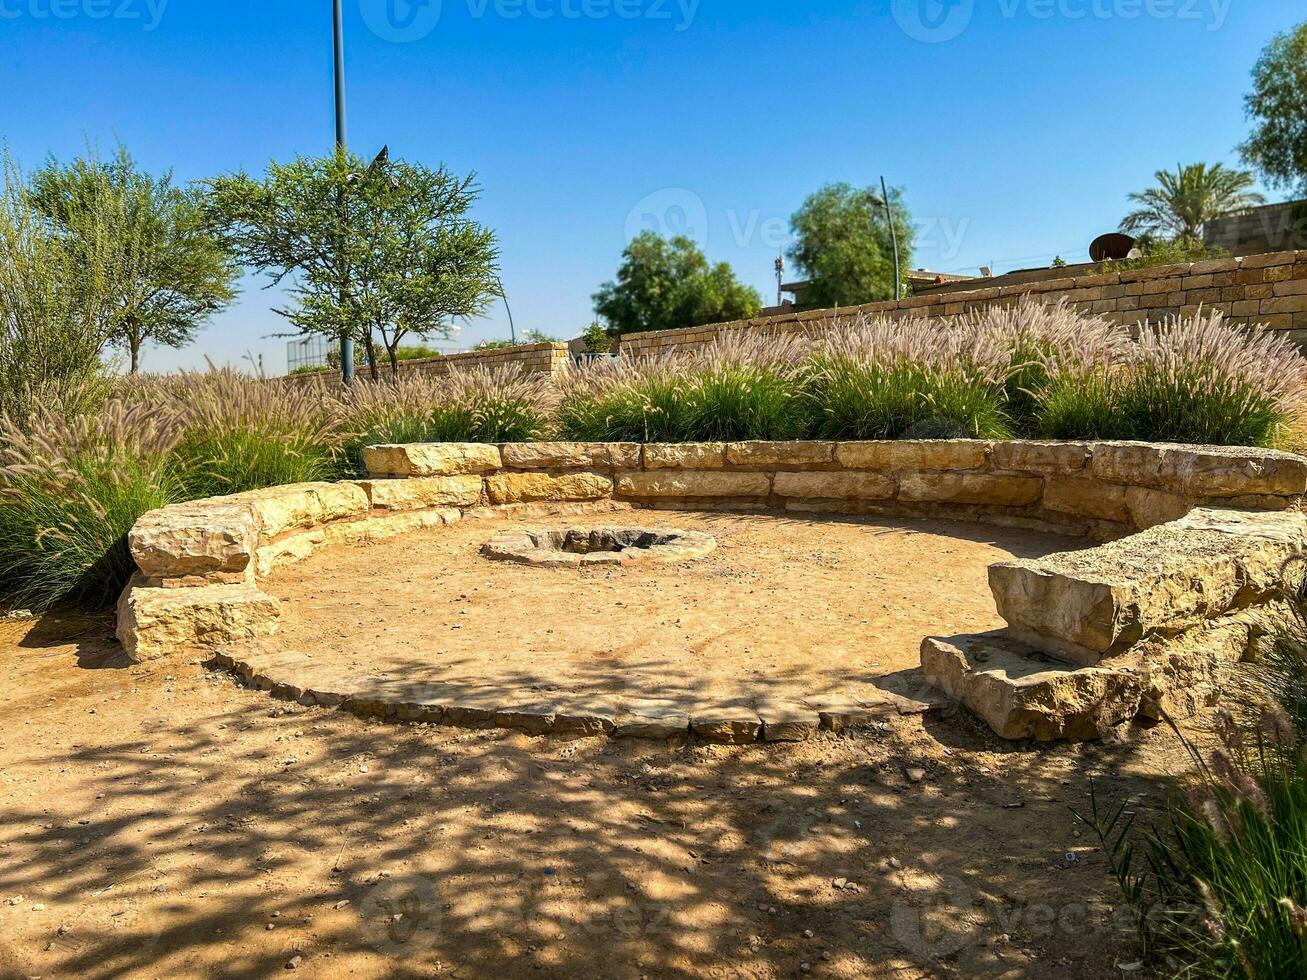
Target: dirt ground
[(161, 821), (784, 608)]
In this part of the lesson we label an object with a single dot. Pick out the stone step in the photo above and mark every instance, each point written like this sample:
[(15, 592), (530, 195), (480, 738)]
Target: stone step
[(1022, 693)]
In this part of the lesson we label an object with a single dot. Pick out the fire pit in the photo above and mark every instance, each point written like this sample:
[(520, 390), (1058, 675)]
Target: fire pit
[(581, 546)]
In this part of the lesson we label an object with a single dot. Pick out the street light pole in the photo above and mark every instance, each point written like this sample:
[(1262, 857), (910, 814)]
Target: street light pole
[(894, 240), (338, 38)]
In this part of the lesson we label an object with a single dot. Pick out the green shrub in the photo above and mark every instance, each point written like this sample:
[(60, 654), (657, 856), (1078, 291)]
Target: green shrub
[(478, 405), (746, 387), (1199, 380), (915, 378), (70, 490), (239, 433)]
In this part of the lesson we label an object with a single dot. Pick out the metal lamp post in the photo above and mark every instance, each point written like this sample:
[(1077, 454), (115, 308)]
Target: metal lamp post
[(893, 235), (338, 37)]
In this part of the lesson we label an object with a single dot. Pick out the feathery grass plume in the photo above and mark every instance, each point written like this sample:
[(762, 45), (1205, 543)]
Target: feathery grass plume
[(746, 386), (1044, 342), (71, 487), (912, 378), (1198, 379), (501, 404), (241, 433), (634, 399)]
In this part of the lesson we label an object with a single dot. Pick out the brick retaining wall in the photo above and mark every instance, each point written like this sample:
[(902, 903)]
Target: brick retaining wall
[(1268, 291), (549, 358)]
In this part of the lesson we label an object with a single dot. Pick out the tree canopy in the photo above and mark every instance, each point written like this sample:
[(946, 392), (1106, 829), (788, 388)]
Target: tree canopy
[(1186, 198), (843, 246), (1277, 148), (164, 271), (384, 251), (664, 284)]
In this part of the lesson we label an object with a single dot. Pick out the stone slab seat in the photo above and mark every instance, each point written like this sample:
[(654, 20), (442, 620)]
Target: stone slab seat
[(1084, 606)]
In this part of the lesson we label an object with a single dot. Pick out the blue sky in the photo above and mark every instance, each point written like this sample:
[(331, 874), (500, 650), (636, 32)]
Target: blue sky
[(1015, 127)]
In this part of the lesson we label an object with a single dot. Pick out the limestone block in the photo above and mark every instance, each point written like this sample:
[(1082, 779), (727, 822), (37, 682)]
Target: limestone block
[(689, 455), (571, 455), (652, 719), (1086, 497), (1086, 605), (1040, 457), (845, 485), (1200, 471), (780, 453), (971, 488), (280, 509), (431, 459), (928, 454), (726, 724), (1148, 508), (691, 483), (418, 493), (784, 721), (154, 622), (1022, 694), (513, 488), (196, 538)]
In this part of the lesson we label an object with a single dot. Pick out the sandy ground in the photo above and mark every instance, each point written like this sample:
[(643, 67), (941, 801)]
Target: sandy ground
[(160, 821), (784, 608)]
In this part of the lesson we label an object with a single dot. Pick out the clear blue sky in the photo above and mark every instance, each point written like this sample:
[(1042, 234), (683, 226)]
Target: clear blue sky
[(1015, 127)]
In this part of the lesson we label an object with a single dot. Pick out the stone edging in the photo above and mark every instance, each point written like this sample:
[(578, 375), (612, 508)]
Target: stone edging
[(200, 562)]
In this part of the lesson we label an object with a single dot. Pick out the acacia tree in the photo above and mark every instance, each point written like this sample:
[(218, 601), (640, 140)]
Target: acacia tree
[(662, 285), (843, 244), (1277, 147), (378, 252), (1185, 199), (164, 270)]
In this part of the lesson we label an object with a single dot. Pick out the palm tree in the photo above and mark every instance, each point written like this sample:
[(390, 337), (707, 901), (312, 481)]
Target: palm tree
[(1186, 198)]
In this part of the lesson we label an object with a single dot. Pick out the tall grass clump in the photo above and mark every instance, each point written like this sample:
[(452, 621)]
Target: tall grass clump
[(500, 404), (914, 378), (239, 433), (626, 400), (1200, 380), (1047, 348), (71, 487)]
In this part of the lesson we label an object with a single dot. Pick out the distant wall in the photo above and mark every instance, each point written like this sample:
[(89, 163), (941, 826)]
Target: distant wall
[(1268, 290), (532, 358)]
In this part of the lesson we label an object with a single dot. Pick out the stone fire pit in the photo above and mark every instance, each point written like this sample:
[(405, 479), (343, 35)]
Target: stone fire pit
[(580, 546)]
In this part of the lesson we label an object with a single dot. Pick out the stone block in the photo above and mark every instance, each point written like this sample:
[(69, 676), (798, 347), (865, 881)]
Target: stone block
[(847, 485), (688, 455), (784, 721), (1200, 471), (652, 719), (571, 455), (432, 459), (1149, 508), (1040, 457), (156, 622), (514, 488), (726, 724), (1084, 606), (780, 454), (1022, 694), (1086, 497), (419, 493), (971, 488), (278, 510), (194, 539), (690, 483), (930, 454)]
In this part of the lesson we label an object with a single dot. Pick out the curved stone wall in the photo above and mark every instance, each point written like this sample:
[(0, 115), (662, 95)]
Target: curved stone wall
[(1139, 625)]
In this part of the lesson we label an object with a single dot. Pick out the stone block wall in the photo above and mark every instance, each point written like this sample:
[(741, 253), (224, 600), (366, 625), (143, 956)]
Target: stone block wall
[(1097, 490), (547, 359), (1267, 291)]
